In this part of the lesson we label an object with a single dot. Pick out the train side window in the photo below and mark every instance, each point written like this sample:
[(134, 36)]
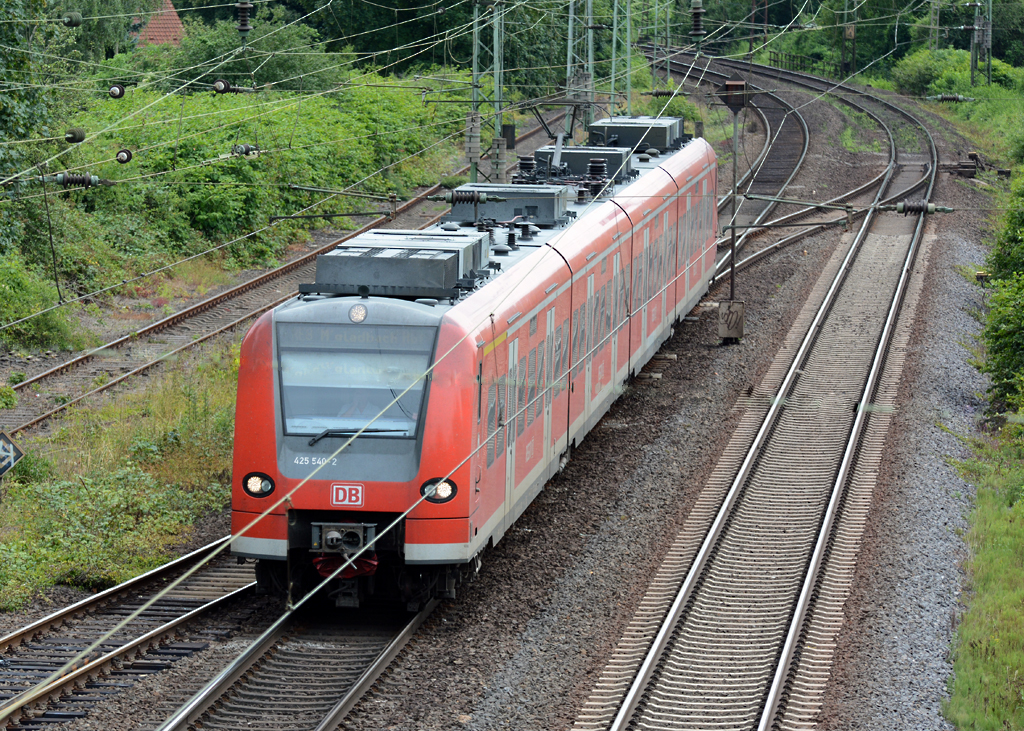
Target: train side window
[(492, 421), (479, 391), (614, 309), (636, 283), (550, 360), (556, 375), (584, 331)]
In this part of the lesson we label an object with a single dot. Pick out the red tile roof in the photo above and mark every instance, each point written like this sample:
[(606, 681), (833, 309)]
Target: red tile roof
[(164, 27)]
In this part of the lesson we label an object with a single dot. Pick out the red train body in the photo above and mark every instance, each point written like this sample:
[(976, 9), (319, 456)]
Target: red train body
[(528, 353)]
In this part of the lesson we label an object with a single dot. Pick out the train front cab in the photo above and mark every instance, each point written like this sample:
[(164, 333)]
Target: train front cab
[(313, 373)]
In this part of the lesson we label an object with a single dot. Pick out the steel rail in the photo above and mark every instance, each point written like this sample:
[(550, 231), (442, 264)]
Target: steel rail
[(721, 266), (204, 700), (56, 619), (815, 83), (13, 709), (852, 442), (374, 671), (813, 228), (201, 701), (821, 549), (661, 641), (747, 178), (210, 302)]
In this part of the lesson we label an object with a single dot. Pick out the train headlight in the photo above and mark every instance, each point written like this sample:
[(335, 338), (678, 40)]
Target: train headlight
[(357, 313), (444, 491), (256, 484)]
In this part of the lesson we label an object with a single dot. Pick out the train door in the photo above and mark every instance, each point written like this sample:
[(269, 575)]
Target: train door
[(511, 418), (548, 391), (614, 299), (589, 343), (663, 278), (479, 455), (644, 289)]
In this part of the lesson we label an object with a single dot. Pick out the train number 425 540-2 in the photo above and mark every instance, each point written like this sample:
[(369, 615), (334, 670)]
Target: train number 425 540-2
[(316, 460)]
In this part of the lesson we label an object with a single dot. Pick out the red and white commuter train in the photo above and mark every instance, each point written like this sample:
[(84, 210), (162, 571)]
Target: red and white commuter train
[(475, 354)]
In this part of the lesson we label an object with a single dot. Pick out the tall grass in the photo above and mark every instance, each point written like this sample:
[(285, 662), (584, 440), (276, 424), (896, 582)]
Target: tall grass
[(988, 691)]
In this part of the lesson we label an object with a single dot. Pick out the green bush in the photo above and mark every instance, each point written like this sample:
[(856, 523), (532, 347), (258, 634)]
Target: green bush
[(22, 292), (8, 397), (184, 191), (1017, 143), (134, 474), (279, 54), (1007, 256), (95, 531), (1004, 343), (948, 71)]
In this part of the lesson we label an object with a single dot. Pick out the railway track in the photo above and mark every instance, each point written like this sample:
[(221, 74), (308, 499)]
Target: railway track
[(300, 675), (50, 392), (36, 687), (774, 168), (817, 219), (736, 627)]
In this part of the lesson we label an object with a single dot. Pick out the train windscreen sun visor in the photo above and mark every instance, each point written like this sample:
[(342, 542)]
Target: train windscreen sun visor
[(336, 378)]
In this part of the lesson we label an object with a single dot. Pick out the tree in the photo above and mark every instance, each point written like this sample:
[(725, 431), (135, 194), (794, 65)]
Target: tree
[(284, 55), (108, 26)]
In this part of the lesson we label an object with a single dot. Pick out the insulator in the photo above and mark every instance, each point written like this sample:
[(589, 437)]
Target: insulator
[(662, 93), (221, 87), (467, 196), (527, 165), (697, 25), (124, 156), (581, 195), (245, 149), (243, 18), (598, 168), (77, 180), (74, 135), (72, 20), (116, 91), (908, 207)]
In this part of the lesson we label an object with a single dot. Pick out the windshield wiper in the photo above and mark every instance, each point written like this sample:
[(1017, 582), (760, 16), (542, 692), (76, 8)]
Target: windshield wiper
[(348, 433)]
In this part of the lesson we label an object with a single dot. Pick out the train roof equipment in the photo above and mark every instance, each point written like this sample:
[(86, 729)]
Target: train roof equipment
[(492, 226), (638, 133)]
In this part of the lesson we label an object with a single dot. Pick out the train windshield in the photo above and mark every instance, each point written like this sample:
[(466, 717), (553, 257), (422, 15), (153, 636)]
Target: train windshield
[(343, 377)]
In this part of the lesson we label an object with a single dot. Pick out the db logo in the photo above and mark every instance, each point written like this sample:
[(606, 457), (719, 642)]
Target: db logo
[(348, 496)]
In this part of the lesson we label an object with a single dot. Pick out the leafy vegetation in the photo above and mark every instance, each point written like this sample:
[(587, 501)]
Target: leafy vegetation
[(118, 486), (1004, 344), (185, 191)]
